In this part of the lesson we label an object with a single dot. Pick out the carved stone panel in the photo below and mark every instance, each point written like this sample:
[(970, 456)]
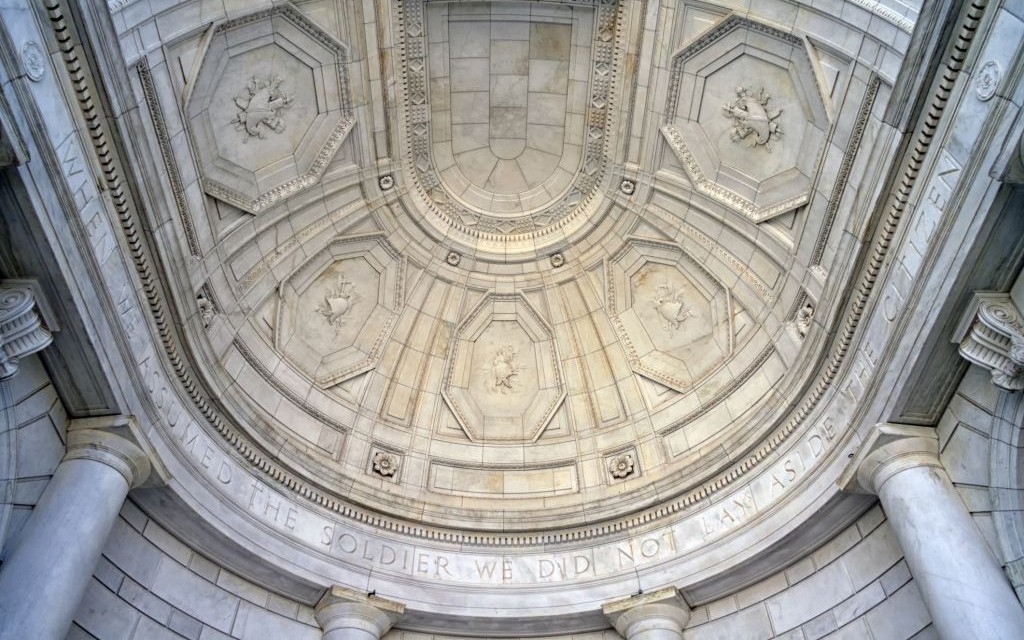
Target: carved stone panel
[(510, 112), (746, 119), (268, 108), (673, 316), (335, 312), (503, 380)]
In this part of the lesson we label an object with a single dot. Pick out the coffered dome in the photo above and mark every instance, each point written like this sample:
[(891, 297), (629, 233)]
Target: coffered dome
[(475, 304), (537, 294)]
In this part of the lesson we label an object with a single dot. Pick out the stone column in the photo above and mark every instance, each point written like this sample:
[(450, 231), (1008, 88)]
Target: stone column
[(962, 583), (345, 614), (47, 572), (659, 615)]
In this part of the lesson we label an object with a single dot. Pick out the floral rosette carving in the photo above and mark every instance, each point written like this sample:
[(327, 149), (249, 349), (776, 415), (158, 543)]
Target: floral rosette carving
[(622, 466), (385, 463)]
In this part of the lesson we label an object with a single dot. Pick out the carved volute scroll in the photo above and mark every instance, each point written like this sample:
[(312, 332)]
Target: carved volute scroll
[(21, 328), (991, 335)]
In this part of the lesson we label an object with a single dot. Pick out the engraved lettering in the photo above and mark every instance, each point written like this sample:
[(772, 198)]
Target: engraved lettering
[(787, 466), (576, 564), (189, 441), (650, 548), (347, 543), (224, 474), (441, 564), (256, 488), (207, 458), (485, 570)]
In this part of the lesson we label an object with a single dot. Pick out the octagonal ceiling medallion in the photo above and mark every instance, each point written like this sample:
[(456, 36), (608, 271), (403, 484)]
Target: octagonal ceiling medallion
[(336, 311), (746, 118), (673, 316), (503, 379), (268, 108)]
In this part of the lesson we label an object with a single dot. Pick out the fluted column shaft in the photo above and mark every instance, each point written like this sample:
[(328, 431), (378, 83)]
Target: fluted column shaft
[(47, 572), (961, 582)]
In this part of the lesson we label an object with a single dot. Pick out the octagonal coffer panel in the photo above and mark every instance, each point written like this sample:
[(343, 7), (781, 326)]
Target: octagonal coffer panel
[(268, 108), (503, 380), (746, 118), (337, 310), (674, 317)]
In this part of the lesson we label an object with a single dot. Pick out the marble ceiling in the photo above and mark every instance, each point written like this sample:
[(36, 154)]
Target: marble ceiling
[(500, 263)]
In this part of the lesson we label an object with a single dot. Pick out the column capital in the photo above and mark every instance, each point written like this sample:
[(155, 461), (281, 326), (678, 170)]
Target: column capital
[(21, 326), (110, 440), (343, 608), (661, 609), (887, 450), (991, 335)]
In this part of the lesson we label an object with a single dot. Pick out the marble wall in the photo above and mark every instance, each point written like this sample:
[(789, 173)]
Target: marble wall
[(149, 585)]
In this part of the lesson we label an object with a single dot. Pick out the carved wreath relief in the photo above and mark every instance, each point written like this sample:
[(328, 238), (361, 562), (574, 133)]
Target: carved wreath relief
[(504, 369), (750, 116), (260, 105), (338, 302), (670, 307)]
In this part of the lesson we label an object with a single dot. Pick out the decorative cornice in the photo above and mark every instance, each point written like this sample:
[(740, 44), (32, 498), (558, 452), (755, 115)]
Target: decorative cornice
[(860, 125), (167, 155), (21, 329), (899, 21), (991, 335)]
